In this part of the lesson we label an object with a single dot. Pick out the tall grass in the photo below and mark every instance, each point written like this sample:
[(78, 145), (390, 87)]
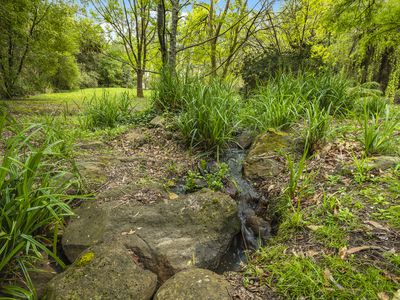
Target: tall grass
[(33, 203), (210, 115), (317, 121), (283, 101), (169, 91), (378, 132), (107, 111)]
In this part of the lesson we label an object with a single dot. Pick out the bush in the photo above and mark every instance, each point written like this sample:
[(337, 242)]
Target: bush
[(33, 200), (210, 115), (378, 132), (169, 91), (316, 127), (107, 111)]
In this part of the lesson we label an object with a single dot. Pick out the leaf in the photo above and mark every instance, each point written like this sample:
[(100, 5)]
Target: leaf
[(328, 277), (344, 251), (383, 296), (376, 225), (314, 227), (173, 196), (130, 232)]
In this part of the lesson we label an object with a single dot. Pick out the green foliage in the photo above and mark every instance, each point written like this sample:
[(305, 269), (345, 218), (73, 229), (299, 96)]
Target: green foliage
[(210, 115), (316, 126), (361, 169), (107, 112), (295, 276), (34, 200), (169, 91), (378, 132), (212, 179)]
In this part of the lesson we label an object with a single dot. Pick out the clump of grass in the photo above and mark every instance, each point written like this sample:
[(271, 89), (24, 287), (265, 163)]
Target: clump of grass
[(33, 200), (169, 91), (213, 179), (368, 97), (107, 111), (378, 131), (209, 118), (316, 127), (295, 276)]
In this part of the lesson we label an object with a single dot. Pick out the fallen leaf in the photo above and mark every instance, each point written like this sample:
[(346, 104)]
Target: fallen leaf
[(396, 295), (128, 233), (344, 251), (173, 196), (376, 225), (328, 277), (314, 227), (383, 296)]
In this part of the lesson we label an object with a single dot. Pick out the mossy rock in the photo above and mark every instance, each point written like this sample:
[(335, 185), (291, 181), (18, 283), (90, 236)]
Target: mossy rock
[(105, 271), (168, 236), (265, 159), (195, 284)]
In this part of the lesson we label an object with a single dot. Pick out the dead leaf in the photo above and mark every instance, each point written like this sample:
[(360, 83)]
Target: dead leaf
[(383, 296), (376, 225), (328, 277), (344, 251), (314, 227), (173, 196), (396, 295), (128, 233)]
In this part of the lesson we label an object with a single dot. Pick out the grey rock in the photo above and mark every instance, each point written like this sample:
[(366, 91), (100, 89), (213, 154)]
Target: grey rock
[(195, 284), (105, 271), (168, 236)]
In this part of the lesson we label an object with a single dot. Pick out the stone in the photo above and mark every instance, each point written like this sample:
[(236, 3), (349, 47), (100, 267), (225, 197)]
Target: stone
[(383, 162), (264, 160), (92, 171), (167, 235), (91, 145), (195, 284), (245, 139), (158, 121), (104, 271), (41, 274)]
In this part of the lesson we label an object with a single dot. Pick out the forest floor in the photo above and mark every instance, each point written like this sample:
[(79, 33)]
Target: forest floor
[(340, 238)]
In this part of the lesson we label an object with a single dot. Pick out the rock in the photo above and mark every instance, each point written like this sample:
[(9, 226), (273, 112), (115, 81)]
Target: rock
[(167, 236), (136, 137), (92, 171), (41, 274), (383, 162), (92, 145), (245, 139), (158, 121), (105, 271), (195, 284), (264, 159)]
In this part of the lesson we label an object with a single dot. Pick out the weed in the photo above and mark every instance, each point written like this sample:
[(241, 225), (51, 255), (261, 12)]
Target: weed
[(212, 179), (361, 169)]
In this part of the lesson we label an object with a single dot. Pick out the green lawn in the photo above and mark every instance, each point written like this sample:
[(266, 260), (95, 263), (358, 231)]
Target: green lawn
[(71, 101)]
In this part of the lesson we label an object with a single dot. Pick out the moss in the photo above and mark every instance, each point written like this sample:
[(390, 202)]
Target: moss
[(85, 259)]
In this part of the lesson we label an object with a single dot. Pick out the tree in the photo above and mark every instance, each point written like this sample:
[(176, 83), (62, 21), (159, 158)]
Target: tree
[(132, 23)]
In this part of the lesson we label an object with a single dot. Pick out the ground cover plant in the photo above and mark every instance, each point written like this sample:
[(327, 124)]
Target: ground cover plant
[(34, 202)]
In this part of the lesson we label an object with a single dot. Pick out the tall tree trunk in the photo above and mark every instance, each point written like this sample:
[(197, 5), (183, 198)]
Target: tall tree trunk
[(174, 32), (139, 83), (213, 42), (161, 31)]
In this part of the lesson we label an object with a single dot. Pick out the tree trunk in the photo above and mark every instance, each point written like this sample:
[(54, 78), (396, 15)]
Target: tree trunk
[(161, 31), (139, 83), (174, 32)]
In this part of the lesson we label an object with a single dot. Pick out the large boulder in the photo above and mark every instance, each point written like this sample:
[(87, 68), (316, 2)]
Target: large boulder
[(265, 158), (195, 284), (166, 236), (105, 271)]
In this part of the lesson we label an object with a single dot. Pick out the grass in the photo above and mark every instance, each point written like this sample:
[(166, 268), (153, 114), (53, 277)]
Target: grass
[(34, 201), (66, 102), (378, 132), (210, 115)]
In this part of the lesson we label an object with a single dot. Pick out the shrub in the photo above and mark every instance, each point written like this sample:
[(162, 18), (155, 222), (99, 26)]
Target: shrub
[(33, 199), (316, 126), (210, 116), (378, 132), (107, 111), (169, 91)]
